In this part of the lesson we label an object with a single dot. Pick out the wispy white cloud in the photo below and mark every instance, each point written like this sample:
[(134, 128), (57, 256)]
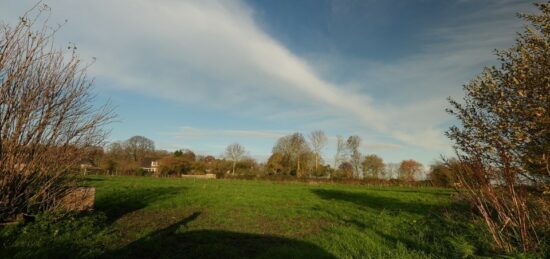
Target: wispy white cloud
[(411, 91), (381, 146), (202, 133), (210, 51)]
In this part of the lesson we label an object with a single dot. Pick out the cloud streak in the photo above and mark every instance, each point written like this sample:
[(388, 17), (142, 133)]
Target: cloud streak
[(205, 50), (201, 133)]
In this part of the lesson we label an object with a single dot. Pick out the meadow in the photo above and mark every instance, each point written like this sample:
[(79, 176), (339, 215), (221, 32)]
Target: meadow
[(142, 217)]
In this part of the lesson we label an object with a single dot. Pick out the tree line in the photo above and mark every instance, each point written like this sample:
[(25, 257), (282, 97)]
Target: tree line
[(292, 156)]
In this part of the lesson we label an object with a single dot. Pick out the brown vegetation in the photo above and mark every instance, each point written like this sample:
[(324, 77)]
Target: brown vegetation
[(373, 166), (409, 169), (504, 140), (47, 121), (78, 199)]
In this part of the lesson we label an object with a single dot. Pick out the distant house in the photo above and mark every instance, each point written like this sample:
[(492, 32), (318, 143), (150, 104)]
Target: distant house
[(150, 165), (86, 165)]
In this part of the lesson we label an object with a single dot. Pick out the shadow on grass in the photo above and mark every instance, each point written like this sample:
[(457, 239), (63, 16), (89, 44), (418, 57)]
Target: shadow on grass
[(376, 202), (116, 202), (78, 235), (434, 192), (442, 230), (90, 179), (175, 242)]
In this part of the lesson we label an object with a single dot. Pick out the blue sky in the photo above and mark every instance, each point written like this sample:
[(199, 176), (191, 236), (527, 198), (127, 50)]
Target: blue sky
[(202, 74)]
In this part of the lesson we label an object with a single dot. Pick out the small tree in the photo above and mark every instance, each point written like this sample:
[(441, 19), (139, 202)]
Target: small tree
[(409, 170), (248, 166), (345, 170), (504, 138), (47, 117), (441, 174), (278, 163), (373, 166), (234, 152)]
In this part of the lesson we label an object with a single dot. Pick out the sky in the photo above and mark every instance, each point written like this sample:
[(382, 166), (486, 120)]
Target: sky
[(202, 74)]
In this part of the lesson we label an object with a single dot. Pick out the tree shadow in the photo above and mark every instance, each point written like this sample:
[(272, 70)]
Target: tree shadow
[(434, 192), (441, 230), (79, 235), (175, 242), (116, 203), (376, 202)]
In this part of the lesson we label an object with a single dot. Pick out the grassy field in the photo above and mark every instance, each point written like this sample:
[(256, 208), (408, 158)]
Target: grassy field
[(154, 218)]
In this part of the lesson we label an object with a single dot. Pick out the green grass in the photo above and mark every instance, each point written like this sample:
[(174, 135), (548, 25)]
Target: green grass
[(138, 217)]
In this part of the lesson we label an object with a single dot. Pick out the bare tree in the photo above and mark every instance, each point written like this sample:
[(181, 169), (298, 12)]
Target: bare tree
[(318, 141), (235, 152), (352, 145), (47, 120), (138, 147), (116, 150), (340, 155)]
